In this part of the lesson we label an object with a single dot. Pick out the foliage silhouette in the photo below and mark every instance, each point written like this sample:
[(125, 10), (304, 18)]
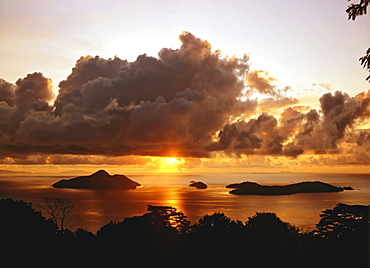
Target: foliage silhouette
[(214, 241), (151, 234), (163, 237), (343, 221), (268, 234), (59, 209), (25, 235), (357, 9), (353, 11), (346, 228), (170, 217), (365, 62)]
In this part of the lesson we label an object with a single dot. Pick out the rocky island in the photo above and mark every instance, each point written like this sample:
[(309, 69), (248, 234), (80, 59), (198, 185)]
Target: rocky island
[(198, 184), (253, 188), (99, 180)]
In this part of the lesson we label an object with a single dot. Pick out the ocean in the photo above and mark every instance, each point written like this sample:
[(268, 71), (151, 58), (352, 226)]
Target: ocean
[(95, 208)]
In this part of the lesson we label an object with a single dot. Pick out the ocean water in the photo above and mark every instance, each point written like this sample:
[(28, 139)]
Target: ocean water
[(95, 208)]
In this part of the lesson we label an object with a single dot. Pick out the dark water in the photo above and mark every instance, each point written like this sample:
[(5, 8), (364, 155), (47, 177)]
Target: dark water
[(93, 208)]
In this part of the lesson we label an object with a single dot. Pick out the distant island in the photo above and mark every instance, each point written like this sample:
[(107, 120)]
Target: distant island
[(99, 180), (198, 184), (12, 172), (253, 188)]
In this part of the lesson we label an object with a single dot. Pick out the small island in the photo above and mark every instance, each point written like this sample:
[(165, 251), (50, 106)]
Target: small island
[(198, 184), (253, 188), (99, 180)]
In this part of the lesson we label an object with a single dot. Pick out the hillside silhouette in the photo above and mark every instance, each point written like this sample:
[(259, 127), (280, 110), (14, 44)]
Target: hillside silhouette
[(198, 184), (99, 180), (163, 237), (253, 188)]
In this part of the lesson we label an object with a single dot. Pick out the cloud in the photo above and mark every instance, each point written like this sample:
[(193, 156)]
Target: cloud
[(258, 136), (33, 90), (271, 104), (7, 94), (339, 115), (190, 101), (261, 82), (299, 132)]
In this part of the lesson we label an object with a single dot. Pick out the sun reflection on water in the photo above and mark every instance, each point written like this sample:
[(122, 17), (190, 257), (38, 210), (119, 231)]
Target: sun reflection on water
[(172, 198)]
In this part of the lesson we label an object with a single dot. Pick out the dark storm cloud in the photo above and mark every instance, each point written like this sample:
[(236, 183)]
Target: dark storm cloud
[(298, 132), (339, 114), (31, 90), (189, 101), (257, 136), (7, 94)]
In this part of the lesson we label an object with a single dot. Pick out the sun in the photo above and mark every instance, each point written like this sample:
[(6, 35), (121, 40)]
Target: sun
[(171, 164), (171, 161)]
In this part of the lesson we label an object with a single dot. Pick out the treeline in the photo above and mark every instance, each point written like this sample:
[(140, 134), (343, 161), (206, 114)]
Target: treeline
[(163, 237)]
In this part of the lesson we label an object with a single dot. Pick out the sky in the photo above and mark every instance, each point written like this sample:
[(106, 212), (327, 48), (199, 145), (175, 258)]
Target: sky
[(191, 85)]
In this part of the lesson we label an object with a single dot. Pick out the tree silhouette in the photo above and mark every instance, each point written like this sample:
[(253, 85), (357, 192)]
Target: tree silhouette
[(344, 231), (217, 224), (365, 62), (154, 234), (154, 239), (353, 11), (343, 221), (357, 9), (170, 217), (59, 209), (269, 236), (26, 237), (215, 241)]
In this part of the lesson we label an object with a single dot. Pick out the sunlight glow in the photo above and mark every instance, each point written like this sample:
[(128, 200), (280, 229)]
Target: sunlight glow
[(170, 164), (172, 161)]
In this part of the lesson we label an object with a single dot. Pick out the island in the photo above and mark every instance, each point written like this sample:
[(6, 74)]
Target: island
[(198, 184), (99, 180), (253, 188)]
